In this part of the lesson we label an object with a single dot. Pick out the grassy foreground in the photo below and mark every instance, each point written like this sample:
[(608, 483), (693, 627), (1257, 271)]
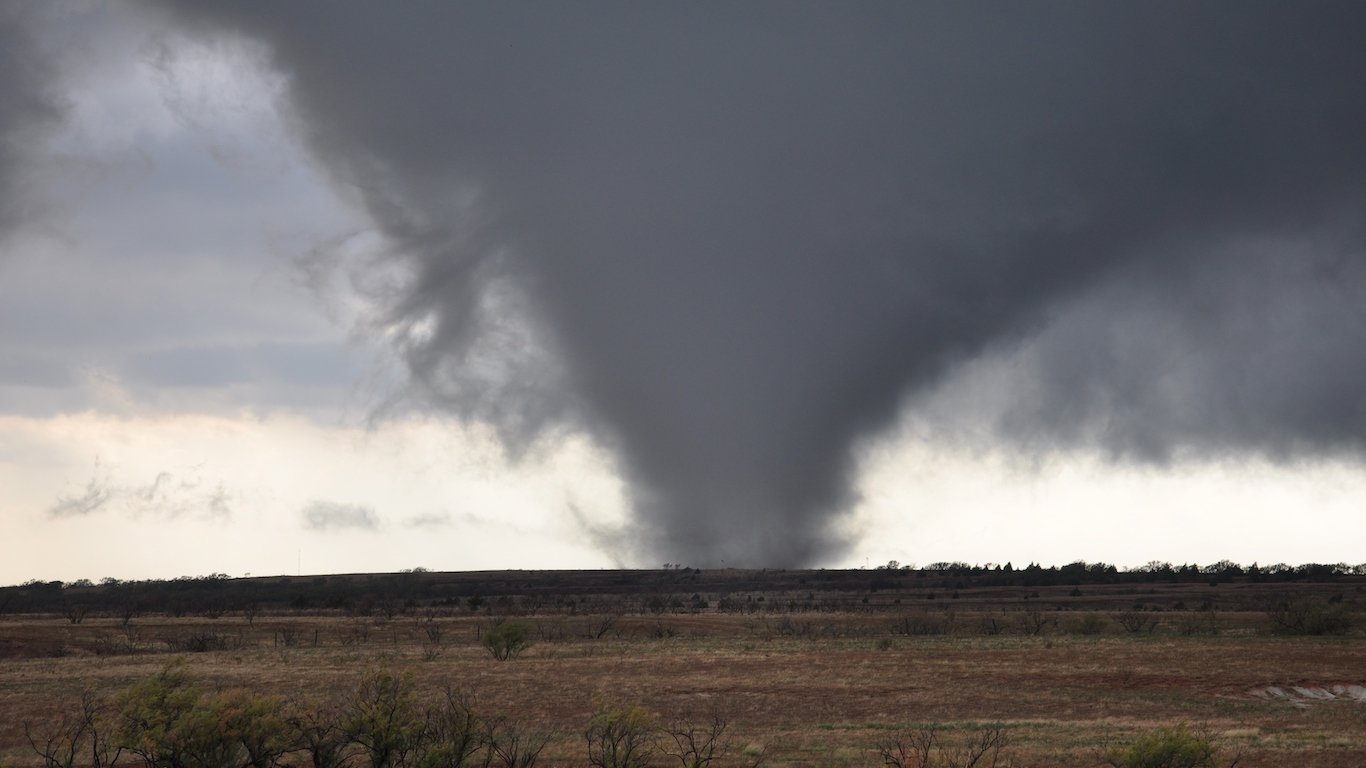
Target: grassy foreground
[(825, 690)]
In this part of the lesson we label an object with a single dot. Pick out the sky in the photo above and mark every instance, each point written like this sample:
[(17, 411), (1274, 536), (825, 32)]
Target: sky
[(341, 287)]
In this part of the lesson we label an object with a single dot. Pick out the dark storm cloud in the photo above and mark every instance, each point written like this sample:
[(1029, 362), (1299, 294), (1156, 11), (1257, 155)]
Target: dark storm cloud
[(750, 231), (27, 107), (1254, 345)]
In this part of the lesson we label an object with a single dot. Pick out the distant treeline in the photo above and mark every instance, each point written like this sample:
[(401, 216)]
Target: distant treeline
[(592, 591), (1080, 572)]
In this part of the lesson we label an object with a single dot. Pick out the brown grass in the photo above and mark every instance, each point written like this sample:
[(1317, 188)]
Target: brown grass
[(824, 693)]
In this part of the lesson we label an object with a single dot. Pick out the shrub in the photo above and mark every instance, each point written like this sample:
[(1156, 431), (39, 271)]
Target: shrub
[(167, 721), (319, 734), (1177, 747), (1136, 621), (453, 733), (506, 640), (1091, 624), (619, 736), (511, 747), (382, 717), (695, 745), (1302, 616), (171, 722), (923, 748), (257, 723), (85, 734)]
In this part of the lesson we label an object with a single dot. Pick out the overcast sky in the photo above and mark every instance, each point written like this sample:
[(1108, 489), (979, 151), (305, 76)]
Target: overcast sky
[(328, 287)]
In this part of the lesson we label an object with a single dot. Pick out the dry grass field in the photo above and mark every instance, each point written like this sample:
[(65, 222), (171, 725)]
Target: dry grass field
[(801, 690)]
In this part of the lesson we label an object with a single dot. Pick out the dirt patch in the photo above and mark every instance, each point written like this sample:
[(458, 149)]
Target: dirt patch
[(1303, 696)]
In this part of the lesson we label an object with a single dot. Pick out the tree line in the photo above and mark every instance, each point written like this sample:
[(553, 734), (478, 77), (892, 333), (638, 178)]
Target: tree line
[(570, 592)]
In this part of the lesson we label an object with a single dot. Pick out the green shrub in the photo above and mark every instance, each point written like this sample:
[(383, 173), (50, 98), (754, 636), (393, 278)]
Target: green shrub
[(167, 721), (453, 733), (1177, 747), (620, 736), (257, 723), (319, 735), (383, 718), (171, 722), (506, 640)]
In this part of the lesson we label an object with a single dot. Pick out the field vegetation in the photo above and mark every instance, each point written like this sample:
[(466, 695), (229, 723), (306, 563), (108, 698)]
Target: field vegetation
[(950, 666)]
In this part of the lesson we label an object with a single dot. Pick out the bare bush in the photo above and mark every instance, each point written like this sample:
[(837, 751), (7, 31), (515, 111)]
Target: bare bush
[(1305, 616), (1136, 622), (695, 745), (510, 746), (200, 642), (922, 748), (452, 733), (1034, 621), (319, 734), (601, 625), (85, 733)]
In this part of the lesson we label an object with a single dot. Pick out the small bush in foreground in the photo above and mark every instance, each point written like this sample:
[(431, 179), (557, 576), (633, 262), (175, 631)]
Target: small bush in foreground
[(384, 719), (1176, 747), (924, 749), (695, 745), (82, 738), (620, 736), (170, 720)]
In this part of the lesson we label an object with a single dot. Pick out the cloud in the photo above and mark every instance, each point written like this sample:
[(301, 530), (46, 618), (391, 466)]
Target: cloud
[(166, 497), (91, 500), (734, 243), (28, 107), (152, 206), (322, 515), (433, 520), (1243, 352)]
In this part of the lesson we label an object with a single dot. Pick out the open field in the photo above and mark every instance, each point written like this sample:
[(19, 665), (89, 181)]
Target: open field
[(804, 688)]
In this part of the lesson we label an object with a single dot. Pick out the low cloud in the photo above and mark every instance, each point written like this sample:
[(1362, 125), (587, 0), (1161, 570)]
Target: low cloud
[(96, 495), (432, 520), (322, 515), (168, 496)]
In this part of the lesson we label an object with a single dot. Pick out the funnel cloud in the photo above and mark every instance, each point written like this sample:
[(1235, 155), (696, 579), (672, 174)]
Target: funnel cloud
[(734, 240)]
